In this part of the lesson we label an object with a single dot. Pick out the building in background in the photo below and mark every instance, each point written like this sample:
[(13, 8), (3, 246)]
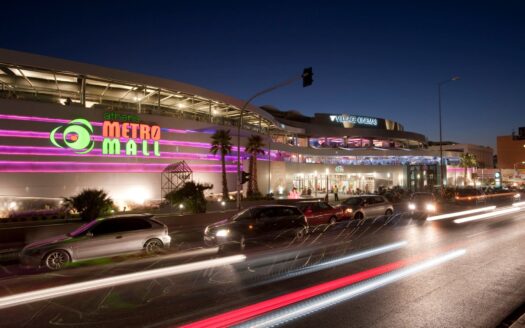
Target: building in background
[(66, 126), (511, 156)]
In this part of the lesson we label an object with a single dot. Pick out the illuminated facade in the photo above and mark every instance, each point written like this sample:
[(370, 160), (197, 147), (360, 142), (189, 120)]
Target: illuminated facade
[(66, 126)]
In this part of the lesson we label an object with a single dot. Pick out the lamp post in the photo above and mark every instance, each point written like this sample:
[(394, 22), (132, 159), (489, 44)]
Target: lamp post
[(454, 78), (307, 80), (327, 171), (315, 183)]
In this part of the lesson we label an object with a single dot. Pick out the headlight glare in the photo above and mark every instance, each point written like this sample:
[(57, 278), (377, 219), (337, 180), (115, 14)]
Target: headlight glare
[(222, 233)]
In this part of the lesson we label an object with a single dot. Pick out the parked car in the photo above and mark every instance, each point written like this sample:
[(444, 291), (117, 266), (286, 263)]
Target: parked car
[(367, 206), (422, 202), (254, 224), (319, 212), (98, 238)]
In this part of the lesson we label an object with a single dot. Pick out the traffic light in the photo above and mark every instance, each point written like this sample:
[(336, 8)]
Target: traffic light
[(245, 177), (307, 77)]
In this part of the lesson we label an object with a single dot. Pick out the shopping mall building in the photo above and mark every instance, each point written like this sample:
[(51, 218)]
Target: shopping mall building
[(66, 126)]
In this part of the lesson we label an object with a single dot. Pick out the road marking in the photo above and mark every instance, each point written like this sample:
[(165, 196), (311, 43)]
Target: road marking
[(48, 293), (287, 307), (456, 214), (488, 215)]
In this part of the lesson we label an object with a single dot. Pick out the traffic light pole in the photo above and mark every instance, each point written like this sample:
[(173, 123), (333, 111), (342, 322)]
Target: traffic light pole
[(243, 108)]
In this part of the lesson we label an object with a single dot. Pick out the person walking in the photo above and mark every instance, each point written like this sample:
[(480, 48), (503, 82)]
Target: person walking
[(336, 196)]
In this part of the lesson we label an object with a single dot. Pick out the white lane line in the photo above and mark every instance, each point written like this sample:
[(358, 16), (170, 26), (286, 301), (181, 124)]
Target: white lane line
[(456, 214), (488, 215), (53, 292)]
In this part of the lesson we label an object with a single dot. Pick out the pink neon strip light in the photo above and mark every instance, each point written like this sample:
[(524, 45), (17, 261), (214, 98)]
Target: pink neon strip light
[(45, 135), (60, 120), (63, 167), (53, 151)]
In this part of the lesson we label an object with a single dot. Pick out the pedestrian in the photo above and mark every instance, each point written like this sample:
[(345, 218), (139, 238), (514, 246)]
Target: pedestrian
[(336, 196)]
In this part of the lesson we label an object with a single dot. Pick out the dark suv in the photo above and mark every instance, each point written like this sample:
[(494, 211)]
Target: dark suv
[(256, 223)]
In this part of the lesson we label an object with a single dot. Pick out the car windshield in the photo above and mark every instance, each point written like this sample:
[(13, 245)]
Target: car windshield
[(422, 197), (242, 215), (83, 228)]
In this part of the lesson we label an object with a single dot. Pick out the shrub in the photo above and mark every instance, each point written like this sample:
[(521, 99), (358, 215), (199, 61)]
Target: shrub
[(191, 195), (90, 203)]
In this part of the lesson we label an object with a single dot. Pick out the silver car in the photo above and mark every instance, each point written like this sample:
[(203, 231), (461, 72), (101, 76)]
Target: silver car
[(98, 238), (367, 206)]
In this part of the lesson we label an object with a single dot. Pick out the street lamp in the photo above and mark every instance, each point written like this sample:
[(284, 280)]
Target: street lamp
[(307, 79), (327, 171), (454, 78)]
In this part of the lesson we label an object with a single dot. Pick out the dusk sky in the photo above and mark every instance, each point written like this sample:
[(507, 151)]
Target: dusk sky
[(372, 58)]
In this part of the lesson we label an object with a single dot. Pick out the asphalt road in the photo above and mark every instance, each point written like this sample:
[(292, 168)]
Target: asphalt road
[(478, 287)]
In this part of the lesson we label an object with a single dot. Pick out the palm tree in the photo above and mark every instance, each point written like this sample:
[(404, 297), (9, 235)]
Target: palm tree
[(222, 143), (467, 160), (254, 147)]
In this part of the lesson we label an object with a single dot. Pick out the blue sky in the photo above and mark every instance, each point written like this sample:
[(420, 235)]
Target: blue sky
[(371, 58)]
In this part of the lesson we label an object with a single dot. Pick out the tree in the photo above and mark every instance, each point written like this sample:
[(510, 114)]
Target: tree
[(254, 147), (467, 160), (90, 203), (222, 143), (191, 195)]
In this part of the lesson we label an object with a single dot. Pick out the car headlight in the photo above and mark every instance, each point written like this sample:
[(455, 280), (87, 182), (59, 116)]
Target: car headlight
[(349, 210), (431, 207), (517, 196), (411, 206), (222, 233)]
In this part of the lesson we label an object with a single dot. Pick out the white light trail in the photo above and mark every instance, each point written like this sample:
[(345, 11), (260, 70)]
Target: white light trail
[(339, 261), (295, 311), (519, 204), (53, 292), (488, 215), (456, 214)]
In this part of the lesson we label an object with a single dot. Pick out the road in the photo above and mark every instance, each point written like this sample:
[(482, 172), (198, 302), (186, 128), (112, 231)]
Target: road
[(389, 272)]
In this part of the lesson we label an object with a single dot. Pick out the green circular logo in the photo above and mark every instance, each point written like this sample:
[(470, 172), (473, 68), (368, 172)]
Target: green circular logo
[(75, 135)]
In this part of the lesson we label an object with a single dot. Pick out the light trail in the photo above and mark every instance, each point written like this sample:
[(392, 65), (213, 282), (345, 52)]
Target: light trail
[(519, 204), (456, 214), (53, 292), (251, 311), (338, 261), (295, 311), (488, 215)]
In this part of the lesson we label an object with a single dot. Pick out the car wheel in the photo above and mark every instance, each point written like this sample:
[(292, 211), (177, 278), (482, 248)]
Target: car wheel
[(389, 212), (358, 216), (333, 220), (153, 246), (57, 259)]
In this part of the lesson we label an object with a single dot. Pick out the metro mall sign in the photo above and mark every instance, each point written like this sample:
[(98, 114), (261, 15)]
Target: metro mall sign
[(132, 137)]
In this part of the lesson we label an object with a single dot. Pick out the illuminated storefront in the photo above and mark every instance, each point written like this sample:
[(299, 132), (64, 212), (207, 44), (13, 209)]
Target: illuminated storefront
[(66, 126)]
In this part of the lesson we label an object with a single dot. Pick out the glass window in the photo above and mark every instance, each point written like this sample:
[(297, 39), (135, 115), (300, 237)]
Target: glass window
[(105, 228), (242, 216), (377, 200), (266, 214), (324, 206), (353, 201)]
